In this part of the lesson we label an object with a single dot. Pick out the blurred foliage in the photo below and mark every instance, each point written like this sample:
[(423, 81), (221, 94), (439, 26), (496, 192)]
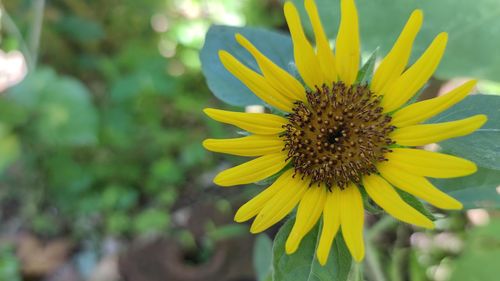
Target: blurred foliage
[(482, 248), (9, 264), (104, 135)]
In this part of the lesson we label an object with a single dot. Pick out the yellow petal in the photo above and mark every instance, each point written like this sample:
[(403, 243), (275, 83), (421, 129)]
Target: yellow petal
[(351, 221), (418, 186), (323, 51), (255, 145), (310, 208), (256, 83), (331, 223), (416, 76), (423, 110), (281, 204), (253, 170), (430, 164), (394, 63), (388, 199), (254, 206), (347, 48), (305, 58), (281, 80), (430, 133), (256, 123)]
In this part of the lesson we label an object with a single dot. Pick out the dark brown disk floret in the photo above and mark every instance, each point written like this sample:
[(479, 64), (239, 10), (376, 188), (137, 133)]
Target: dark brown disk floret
[(338, 135)]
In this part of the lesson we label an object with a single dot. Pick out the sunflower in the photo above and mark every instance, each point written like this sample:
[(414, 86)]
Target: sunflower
[(339, 138)]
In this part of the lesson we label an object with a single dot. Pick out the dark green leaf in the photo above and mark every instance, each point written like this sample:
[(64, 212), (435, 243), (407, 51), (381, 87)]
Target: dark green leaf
[(303, 265), (472, 48), (415, 203), (81, 29), (262, 256), (483, 146), (226, 87), (474, 191), (365, 74), (368, 203)]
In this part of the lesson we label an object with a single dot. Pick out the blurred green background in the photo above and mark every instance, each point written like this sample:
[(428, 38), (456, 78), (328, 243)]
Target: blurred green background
[(102, 172)]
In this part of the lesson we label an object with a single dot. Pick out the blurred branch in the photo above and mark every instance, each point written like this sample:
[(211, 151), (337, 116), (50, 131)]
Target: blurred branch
[(385, 223), (36, 29), (399, 254), (372, 257), (373, 262), (356, 272), (12, 29)]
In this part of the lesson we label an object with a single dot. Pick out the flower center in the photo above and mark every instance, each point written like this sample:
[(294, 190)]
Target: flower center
[(338, 135)]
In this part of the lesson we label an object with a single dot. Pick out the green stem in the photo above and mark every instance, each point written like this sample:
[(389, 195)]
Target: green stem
[(356, 272), (399, 254), (373, 262), (385, 223), (372, 258), (36, 29)]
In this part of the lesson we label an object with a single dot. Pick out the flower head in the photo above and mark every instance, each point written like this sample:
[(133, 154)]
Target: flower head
[(339, 136)]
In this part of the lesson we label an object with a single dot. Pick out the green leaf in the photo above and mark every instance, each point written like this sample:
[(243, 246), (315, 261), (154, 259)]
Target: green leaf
[(365, 74), (117, 197), (80, 29), (262, 257), (472, 50), (303, 265), (10, 264), (368, 203), (166, 170), (67, 115), (226, 87), (482, 249), (415, 203), (223, 232), (478, 190), (9, 147), (117, 223), (61, 106), (27, 93), (151, 221), (483, 146)]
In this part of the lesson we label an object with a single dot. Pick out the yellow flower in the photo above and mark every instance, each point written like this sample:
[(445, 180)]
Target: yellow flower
[(339, 136)]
